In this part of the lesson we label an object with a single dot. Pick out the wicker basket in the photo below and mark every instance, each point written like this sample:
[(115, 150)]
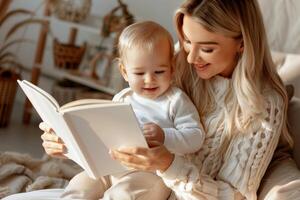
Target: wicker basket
[(65, 91), (116, 22), (8, 87), (67, 56), (72, 10)]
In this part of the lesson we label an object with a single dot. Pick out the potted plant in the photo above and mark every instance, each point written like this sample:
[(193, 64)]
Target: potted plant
[(10, 68)]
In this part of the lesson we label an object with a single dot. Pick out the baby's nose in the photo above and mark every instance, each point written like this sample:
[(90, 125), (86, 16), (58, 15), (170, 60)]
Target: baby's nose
[(148, 78)]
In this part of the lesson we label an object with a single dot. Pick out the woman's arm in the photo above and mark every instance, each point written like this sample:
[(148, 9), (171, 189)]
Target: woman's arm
[(179, 174)]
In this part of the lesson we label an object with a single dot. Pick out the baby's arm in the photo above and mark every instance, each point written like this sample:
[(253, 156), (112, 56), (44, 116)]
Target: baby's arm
[(187, 136)]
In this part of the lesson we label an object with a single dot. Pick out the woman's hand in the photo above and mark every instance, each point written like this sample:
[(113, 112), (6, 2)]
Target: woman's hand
[(53, 145), (153, 132), (157, 157)]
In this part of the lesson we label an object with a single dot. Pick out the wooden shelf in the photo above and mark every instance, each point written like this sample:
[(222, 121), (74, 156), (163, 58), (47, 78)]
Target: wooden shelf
[(89, 82), (55, 73), (78, 78)]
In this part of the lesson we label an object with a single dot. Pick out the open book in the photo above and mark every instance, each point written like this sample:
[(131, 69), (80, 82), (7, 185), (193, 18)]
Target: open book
[(89, 128)]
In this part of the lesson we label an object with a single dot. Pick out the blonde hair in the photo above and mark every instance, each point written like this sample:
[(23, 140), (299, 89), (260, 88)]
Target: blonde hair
[(143, 35), (242, 20)]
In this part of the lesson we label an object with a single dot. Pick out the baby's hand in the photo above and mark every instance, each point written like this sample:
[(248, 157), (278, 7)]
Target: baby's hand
[(153, 132)]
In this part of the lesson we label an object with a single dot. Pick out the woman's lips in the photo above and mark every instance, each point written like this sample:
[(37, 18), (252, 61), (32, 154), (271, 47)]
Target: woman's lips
[(201, 67)]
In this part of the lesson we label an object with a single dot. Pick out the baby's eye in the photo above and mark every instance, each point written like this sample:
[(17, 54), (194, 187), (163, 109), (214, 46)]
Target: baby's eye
[(207, 50), (159, 72), (139, 73)]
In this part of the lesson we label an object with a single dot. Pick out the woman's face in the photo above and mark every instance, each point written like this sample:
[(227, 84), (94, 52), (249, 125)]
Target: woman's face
[(209, 53)]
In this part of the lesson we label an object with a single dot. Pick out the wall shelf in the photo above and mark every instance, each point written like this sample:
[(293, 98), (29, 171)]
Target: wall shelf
[(79, 78)]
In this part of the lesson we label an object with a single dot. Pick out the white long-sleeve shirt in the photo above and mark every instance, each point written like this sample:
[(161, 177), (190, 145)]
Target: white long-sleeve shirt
[(174, 113), (236, 173)]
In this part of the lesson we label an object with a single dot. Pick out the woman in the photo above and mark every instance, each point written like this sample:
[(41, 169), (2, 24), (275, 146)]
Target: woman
[(231, 79), (224, 65)]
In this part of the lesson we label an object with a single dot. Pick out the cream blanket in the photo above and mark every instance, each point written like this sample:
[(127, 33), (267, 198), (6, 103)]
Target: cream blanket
[(22, 173)]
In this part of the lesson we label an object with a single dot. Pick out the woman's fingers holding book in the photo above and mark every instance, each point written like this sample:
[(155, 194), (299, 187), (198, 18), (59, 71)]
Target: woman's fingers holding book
[(59, 147), (45, 127), (53, 144), (54, 148), (49, 136)]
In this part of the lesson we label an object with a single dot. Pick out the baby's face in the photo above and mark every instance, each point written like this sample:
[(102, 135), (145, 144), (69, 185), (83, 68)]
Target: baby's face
[(148, 73)]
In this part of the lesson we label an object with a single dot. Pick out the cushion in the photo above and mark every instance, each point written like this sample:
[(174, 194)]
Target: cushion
[(294, 126), (288, 66), (280, 179)]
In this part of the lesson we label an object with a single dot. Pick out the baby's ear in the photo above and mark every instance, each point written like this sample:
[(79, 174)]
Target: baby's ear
[(123, 71)]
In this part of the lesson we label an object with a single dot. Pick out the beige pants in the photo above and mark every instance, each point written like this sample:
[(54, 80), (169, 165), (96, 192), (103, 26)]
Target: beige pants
[(130, 185)]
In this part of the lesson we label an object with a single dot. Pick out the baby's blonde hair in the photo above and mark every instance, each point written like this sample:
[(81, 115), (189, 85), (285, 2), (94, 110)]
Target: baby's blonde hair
[(240, 19), (144, 35)]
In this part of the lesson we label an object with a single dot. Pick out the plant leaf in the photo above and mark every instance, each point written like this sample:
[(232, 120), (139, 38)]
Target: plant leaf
[(24, 23), (7, 55), (14, 12), (7, 45), (11, 63)]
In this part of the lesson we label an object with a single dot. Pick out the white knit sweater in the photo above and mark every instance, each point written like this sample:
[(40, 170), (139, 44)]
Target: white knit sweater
[(237, 173)]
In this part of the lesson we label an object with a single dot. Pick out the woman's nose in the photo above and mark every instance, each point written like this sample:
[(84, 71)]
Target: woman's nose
[(193, 54)]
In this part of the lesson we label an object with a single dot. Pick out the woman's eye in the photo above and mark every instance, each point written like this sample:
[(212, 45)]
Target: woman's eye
[(207, 50), (186, 41), (159, 72)]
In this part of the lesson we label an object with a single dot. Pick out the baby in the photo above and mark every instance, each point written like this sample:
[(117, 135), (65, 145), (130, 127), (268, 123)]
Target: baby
[(165, 112)]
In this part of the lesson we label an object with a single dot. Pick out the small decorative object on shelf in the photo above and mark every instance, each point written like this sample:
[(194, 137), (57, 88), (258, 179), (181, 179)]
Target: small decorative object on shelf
[(114, 22), (100, 64), (67, 56), (71, 10), (8, 88)]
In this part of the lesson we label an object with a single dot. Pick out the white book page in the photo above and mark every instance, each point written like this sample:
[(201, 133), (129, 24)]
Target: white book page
[(100, 128), (82, 102), (49, 114), (42, 92)]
